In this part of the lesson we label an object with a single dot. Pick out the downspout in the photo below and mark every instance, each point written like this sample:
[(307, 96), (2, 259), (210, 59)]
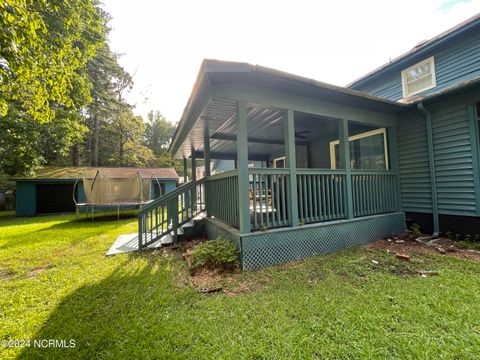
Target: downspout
[(431, 164)]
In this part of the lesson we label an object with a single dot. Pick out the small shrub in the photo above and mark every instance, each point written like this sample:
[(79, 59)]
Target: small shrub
[(416, 230), (215, 253)]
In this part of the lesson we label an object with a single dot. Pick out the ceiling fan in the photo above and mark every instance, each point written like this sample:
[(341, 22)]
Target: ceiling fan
[(300, 134)]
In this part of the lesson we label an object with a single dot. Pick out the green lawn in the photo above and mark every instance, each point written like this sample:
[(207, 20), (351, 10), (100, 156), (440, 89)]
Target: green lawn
[(56, 283)]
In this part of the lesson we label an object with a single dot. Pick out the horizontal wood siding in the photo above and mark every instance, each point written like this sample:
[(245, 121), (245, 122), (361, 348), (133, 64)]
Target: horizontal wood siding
[(453, 159), (454, 63), (413, 163)]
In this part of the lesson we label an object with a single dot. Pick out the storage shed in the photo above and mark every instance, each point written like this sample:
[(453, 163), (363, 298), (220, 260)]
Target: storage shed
[(53, 189)]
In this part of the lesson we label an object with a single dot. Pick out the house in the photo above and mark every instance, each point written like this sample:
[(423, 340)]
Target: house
[(338, 166), (57, 190)]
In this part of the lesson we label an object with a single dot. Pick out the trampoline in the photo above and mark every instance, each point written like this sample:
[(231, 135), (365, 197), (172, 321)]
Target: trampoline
[(104, 192)]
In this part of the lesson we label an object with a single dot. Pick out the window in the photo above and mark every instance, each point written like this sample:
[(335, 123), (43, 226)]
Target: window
[(368, 151), (419, 77), (279, 162)]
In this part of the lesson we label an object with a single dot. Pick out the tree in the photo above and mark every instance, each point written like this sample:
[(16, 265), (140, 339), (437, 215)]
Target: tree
[(158, 136), (44, 45), (158, 132), (109, 81), (28, 144), (125, 135), (44, 49)]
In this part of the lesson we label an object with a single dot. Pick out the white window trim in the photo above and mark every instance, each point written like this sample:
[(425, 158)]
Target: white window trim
[(404, 77), (284, 158), (383, 131)]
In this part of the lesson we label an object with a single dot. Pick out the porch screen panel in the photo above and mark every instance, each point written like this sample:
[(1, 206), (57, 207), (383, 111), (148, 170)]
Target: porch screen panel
[(368, 151)]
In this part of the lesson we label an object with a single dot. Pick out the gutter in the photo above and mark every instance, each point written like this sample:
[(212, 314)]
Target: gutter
[(431, 163)]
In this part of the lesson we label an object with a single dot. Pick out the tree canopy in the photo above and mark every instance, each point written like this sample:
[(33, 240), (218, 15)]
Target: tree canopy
[(44, 47), (62, 98)]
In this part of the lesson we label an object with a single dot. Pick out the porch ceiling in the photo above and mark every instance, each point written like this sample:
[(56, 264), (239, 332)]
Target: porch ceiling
[(210, 111), (265, 130)]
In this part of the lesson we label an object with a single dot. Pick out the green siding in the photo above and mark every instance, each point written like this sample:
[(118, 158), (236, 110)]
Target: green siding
[(454, 63), (453, 154), (413, 163), (453, 159), (170, 186), (25, 199)]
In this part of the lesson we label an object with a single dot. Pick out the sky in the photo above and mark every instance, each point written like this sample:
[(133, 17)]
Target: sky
[(163, 42)]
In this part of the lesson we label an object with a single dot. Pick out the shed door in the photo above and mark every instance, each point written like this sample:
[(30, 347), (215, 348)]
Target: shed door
[(158, 189), (54, 198)]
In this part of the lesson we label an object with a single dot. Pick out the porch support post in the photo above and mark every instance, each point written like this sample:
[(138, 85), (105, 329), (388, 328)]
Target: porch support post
[(291, 164), (185, 170), (206, 156), (193, 196), (242, 165), (345, 163), (194, 165)]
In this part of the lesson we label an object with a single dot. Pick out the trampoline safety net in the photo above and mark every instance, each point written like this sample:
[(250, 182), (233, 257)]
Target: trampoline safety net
[(102, 190)]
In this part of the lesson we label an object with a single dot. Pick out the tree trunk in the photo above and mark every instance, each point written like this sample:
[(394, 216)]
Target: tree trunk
[(121, 150), (75, 155), (95, 141)]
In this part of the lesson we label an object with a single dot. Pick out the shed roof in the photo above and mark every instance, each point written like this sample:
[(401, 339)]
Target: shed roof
[(73, 173)]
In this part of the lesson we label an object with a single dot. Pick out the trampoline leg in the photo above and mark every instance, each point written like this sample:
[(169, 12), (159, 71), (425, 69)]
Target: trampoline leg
[(118, 212)]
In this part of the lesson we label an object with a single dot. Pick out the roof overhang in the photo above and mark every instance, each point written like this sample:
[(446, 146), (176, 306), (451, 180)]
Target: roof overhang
[(421, 51), (207, 108)]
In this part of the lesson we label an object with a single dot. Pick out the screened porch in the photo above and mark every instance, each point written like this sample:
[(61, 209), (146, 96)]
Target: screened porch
[(272, 168)]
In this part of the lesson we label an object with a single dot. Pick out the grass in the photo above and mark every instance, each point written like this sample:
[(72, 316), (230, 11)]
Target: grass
[(56, 283)]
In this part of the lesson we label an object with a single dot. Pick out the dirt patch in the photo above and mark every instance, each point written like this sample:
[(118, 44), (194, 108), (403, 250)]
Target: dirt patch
[(6, 274), (210, 280), (407, 244), (39, 269)]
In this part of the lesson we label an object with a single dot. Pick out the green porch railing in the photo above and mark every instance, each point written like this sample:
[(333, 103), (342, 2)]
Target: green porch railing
[(166, 214), (321, 195), (222, 197), (374, 192), (269, 200)]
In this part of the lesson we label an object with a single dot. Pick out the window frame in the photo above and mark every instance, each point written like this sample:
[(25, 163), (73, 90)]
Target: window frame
[(383, 131), (284, 158), (430, 60)]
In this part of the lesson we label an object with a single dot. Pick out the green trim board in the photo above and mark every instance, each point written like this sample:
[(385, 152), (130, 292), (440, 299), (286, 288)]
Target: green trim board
[(283, 100), (242, 164), (291, 164), (276, 246)]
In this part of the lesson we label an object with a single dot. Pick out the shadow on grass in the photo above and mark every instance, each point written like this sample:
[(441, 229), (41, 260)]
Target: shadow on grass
[(70, 230), (121, 316)]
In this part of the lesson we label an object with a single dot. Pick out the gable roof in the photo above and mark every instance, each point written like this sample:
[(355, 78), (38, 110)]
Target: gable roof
[(420, 50), (73, 173), (213, 72)]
